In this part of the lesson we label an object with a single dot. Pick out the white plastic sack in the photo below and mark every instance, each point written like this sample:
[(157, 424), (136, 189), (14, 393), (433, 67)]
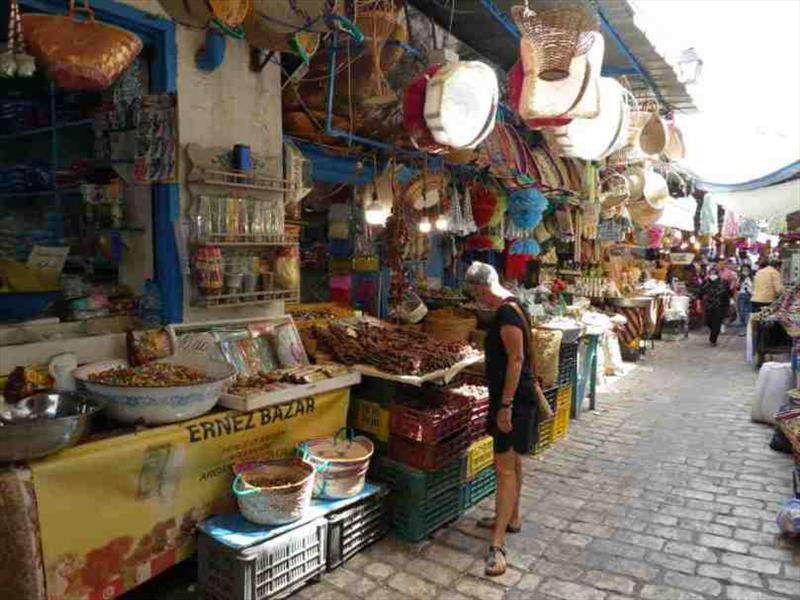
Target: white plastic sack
[(774, 380)]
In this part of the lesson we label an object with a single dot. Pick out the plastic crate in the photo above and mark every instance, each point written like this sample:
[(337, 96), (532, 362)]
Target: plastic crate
[(352, 529), (413, 484), (371, 418), (567, 363), (545, 438), (428, 423), (273, 569), (478, 427), (428, 457), (472, 492), (480, 455), (414, 522), (563, 407)]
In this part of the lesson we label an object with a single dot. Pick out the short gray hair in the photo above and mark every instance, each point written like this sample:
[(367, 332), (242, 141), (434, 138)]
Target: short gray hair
[(482, 274)]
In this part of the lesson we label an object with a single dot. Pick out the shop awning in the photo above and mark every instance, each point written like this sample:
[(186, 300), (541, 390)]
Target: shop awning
[(763, 203), (679, 213)]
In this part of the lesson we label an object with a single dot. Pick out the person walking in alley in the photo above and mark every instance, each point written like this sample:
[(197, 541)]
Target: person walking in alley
[(512, 403), (767, 285), (744, 295), (716, 294)]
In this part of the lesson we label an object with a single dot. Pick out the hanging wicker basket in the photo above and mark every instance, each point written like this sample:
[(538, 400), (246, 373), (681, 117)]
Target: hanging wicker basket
[(614, 190), (558, 34)]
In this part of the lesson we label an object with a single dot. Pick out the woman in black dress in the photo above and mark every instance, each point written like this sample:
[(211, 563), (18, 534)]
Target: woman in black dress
[(716, 294), (512, 403)]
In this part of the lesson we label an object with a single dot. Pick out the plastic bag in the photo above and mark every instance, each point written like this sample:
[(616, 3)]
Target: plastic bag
[(788, 518), (287, 269), (774, 380)]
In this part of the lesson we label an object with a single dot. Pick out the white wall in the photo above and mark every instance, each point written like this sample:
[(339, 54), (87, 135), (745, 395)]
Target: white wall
[(231, 105)]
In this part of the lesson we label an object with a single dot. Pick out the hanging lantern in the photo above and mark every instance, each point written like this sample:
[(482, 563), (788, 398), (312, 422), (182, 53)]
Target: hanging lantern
[(425, 225), (690, 66), (15, 60)]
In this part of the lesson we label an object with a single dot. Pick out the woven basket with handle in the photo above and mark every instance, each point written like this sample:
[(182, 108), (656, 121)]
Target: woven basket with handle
[(559, 35)]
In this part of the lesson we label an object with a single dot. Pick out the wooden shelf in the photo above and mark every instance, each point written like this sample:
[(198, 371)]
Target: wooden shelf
[(247, 298)]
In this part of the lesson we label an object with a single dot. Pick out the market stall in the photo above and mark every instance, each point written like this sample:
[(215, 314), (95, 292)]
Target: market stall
[(167, 476), (332, 261)]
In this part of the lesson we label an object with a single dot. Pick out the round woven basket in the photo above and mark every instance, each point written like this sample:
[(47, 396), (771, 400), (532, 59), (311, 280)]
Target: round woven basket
[(451, 324), (559, 35), (675, 148), (653, 138)]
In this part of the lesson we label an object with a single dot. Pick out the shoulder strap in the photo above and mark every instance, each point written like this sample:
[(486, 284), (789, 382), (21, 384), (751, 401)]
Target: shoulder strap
[(526, 331)]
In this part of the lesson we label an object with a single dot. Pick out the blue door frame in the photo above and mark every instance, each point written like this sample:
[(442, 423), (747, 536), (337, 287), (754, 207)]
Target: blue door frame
[(158, 35)]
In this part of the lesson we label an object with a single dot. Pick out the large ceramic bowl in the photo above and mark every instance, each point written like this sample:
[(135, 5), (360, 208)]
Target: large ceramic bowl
[(52, 422), (158, 405)]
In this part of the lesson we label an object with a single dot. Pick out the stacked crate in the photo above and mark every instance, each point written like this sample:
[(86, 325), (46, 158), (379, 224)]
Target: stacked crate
[(479, 479), (239, 560)]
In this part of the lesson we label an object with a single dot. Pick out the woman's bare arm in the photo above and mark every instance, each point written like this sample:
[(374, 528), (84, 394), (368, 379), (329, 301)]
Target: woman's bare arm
[(515, 348)]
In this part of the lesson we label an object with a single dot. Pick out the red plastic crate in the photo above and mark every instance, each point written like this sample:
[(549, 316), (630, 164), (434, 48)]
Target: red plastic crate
[(428, 457), (427, 422)]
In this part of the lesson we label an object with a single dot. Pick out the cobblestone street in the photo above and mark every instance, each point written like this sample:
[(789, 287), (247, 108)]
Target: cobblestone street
[(666, 492)]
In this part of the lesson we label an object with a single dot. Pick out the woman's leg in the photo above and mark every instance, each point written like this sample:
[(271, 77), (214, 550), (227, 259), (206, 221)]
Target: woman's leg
[(515, 518), (506, 496), (715, 319)]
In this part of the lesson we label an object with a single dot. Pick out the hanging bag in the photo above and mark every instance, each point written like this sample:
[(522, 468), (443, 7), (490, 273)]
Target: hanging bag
[(544, 410), (80, 54)]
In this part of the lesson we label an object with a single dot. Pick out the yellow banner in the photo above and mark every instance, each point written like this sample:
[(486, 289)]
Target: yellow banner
[(116, 512)]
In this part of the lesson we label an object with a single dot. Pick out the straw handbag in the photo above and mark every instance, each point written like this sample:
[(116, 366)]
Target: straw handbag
[(80, 54), (559, 35)]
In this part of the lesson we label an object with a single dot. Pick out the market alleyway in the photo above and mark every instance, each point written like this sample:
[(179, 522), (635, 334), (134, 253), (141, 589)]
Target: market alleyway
[(667, 492)]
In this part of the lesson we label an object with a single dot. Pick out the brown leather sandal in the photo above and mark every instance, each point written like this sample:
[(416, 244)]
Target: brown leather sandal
[(488, 523), (495, 561)]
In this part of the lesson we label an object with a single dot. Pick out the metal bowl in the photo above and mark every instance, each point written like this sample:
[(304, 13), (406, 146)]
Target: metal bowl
[(57, 420), (637, 302)]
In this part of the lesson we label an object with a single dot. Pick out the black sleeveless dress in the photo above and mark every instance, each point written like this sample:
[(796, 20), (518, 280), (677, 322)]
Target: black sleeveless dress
[(523, 415)]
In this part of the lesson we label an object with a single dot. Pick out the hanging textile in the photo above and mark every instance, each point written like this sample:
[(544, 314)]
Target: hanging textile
[(709, 224), (730, 225)]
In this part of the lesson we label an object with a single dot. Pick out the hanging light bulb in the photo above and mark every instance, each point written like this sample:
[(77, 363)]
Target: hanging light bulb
[(374, 212), (441, 222), (425, 225)]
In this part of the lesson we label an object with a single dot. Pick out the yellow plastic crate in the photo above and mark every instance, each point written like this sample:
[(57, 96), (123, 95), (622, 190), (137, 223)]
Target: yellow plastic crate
[(480, 455), (563, 407), (371, 418), (545, 436)]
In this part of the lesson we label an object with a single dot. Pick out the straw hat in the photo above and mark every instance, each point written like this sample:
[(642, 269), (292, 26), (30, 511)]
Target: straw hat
[(259, 35), (197, 13), (192, 13), (283, 16), (231, 12), (594, 139), (648, 209)]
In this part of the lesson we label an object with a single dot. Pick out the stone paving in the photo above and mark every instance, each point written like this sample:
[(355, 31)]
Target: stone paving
[(666, 492)]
